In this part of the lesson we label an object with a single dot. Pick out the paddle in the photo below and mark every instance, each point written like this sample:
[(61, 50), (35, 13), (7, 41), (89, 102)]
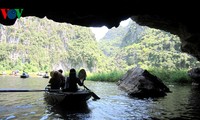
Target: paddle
[(22, 90), (93, 94), (82, 76)]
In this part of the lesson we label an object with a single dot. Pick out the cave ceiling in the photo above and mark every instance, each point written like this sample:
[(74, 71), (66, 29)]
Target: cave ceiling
[(181, 18)]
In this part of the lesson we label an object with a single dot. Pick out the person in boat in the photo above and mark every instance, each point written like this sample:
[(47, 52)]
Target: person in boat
[(82, 75), (72, 81), (46, 74), (24, 73), (62, 78), (51, 73), (55, 80)]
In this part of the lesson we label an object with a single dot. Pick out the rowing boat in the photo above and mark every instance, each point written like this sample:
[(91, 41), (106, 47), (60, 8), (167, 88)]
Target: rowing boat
[(24, 76), (70, 98), (65, 98), (45, 76)]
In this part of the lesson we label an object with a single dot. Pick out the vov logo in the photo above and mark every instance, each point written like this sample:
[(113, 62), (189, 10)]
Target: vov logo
[(11, 13)]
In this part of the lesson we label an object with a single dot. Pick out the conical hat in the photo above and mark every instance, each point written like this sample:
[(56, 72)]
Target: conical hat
[(82, 74)]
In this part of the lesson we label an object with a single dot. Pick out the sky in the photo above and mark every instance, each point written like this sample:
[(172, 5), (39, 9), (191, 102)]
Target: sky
[(101, 31)]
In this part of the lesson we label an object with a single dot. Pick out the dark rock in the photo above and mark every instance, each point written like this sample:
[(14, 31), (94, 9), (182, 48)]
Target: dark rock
[(140, 83), (194, 73)]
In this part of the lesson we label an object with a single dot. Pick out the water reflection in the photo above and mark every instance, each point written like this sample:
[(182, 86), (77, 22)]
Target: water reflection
[(75, 111), (182, 103), (193, 107)]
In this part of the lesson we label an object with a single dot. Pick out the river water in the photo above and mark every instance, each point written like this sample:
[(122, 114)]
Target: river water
[(182, 103)]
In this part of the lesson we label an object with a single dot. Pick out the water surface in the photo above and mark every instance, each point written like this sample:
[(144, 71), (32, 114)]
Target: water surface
[(182, 103)]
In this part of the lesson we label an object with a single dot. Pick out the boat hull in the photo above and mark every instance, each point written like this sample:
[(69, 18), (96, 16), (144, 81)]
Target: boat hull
[(45, 76), (67, 98), (24, 76)]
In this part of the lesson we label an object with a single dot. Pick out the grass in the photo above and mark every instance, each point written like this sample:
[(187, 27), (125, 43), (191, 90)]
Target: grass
[(112, 76), (171, 76)]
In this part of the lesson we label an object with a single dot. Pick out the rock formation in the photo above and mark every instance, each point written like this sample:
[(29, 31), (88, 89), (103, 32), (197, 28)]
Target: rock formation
[(179, 18), (194, 73), (140, 83)]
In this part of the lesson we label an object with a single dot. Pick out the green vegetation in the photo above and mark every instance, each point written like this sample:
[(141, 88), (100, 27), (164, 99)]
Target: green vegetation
[(167, 76), (112, 76), (170, 76), (39, 45), (34, 44), (148, 48)]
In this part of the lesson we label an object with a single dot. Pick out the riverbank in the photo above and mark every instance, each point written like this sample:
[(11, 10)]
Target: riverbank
[(11, 73), (170, 76)]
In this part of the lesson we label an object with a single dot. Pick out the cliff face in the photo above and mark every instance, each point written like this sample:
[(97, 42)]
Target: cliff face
[(185, 26), (181, 18)]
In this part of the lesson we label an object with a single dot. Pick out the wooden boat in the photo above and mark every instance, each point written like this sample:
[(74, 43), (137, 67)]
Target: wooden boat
[(45, 76), (67, 98), (24, 76), (72, 99)]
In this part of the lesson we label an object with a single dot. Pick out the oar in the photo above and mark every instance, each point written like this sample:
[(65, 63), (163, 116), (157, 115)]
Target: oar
[(82, 76), (93, 94), (22, 90)]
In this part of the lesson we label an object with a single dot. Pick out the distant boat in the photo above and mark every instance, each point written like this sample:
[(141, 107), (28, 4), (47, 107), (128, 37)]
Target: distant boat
[(24, 75), (45, 76)]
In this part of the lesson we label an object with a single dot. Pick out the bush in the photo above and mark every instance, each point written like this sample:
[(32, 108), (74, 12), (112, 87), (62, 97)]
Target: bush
[(112, 76), (178, 76)]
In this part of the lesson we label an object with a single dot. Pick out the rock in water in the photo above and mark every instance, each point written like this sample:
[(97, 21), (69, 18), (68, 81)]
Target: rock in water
[(142, 84)]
